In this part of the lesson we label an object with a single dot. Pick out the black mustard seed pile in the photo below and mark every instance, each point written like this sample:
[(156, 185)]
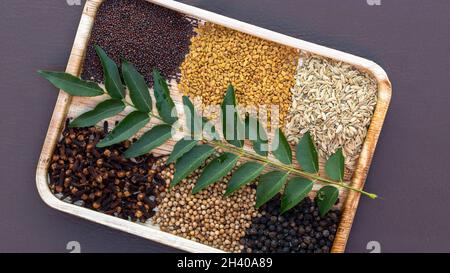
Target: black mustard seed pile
[(300, 230), (145, 34), (102, 178)]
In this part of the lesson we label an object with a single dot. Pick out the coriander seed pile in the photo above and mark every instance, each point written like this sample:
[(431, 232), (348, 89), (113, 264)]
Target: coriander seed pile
[(262, 72), (207, 217)]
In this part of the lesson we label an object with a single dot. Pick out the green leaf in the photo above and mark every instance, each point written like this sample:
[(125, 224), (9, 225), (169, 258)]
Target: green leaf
[(326, 198), (193, 120), (281, 148), (218, 168), (103, 110), (269, 185), (181, 147), (296, 190), (246, 173), (164, 102), (210, 129), (139, 93), (257, 135), (153, 138), (233, 128), (72, 85), (190, 161), (307, 154), (196, 124), (125, 129), (113, 82), (335, 166)]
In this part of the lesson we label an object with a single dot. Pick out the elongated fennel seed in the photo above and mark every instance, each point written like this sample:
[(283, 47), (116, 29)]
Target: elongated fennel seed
[(334, 102)]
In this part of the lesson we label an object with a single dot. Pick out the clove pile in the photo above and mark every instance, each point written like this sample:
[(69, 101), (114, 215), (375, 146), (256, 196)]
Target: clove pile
[(103, 179)]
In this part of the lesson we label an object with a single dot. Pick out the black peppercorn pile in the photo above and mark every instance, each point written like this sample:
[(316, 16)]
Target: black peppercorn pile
[(145, 34), (300, 230), (102, 179)]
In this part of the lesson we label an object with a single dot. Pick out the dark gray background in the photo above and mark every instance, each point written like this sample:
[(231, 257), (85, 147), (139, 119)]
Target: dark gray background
[(410, 170)]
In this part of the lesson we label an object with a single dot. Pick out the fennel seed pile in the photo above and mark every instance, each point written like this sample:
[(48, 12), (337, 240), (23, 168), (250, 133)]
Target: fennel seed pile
[(334, 102)]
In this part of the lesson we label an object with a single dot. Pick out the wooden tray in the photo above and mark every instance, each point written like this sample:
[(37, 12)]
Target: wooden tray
[(68, 106)]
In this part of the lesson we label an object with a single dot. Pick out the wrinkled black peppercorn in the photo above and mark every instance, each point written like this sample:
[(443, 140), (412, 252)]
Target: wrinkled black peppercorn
[(300, 230)]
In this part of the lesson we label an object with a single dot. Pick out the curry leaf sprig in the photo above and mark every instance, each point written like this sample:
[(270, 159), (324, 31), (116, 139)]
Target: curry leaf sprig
[(191, 153)]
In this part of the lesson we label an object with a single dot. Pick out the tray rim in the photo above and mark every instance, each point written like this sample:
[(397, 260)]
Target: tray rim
[(74, 67)]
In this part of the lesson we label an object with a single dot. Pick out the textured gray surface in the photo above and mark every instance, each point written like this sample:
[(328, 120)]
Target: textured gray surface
[(409, 38)]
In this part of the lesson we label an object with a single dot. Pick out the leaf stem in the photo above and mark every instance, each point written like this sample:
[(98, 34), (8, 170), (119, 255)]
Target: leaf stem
[(150, 114), (124, 100), (279, 165), (242, 152)]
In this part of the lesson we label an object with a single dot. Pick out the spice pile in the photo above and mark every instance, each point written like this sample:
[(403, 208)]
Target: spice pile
[(207, 217), (334, 102), (147, 35), (262, 72), (300, 230), (102, 179)]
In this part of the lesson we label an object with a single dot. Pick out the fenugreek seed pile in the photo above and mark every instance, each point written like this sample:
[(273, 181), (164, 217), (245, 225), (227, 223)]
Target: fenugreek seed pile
[(207, 217), (261, 71), (335, 102)]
